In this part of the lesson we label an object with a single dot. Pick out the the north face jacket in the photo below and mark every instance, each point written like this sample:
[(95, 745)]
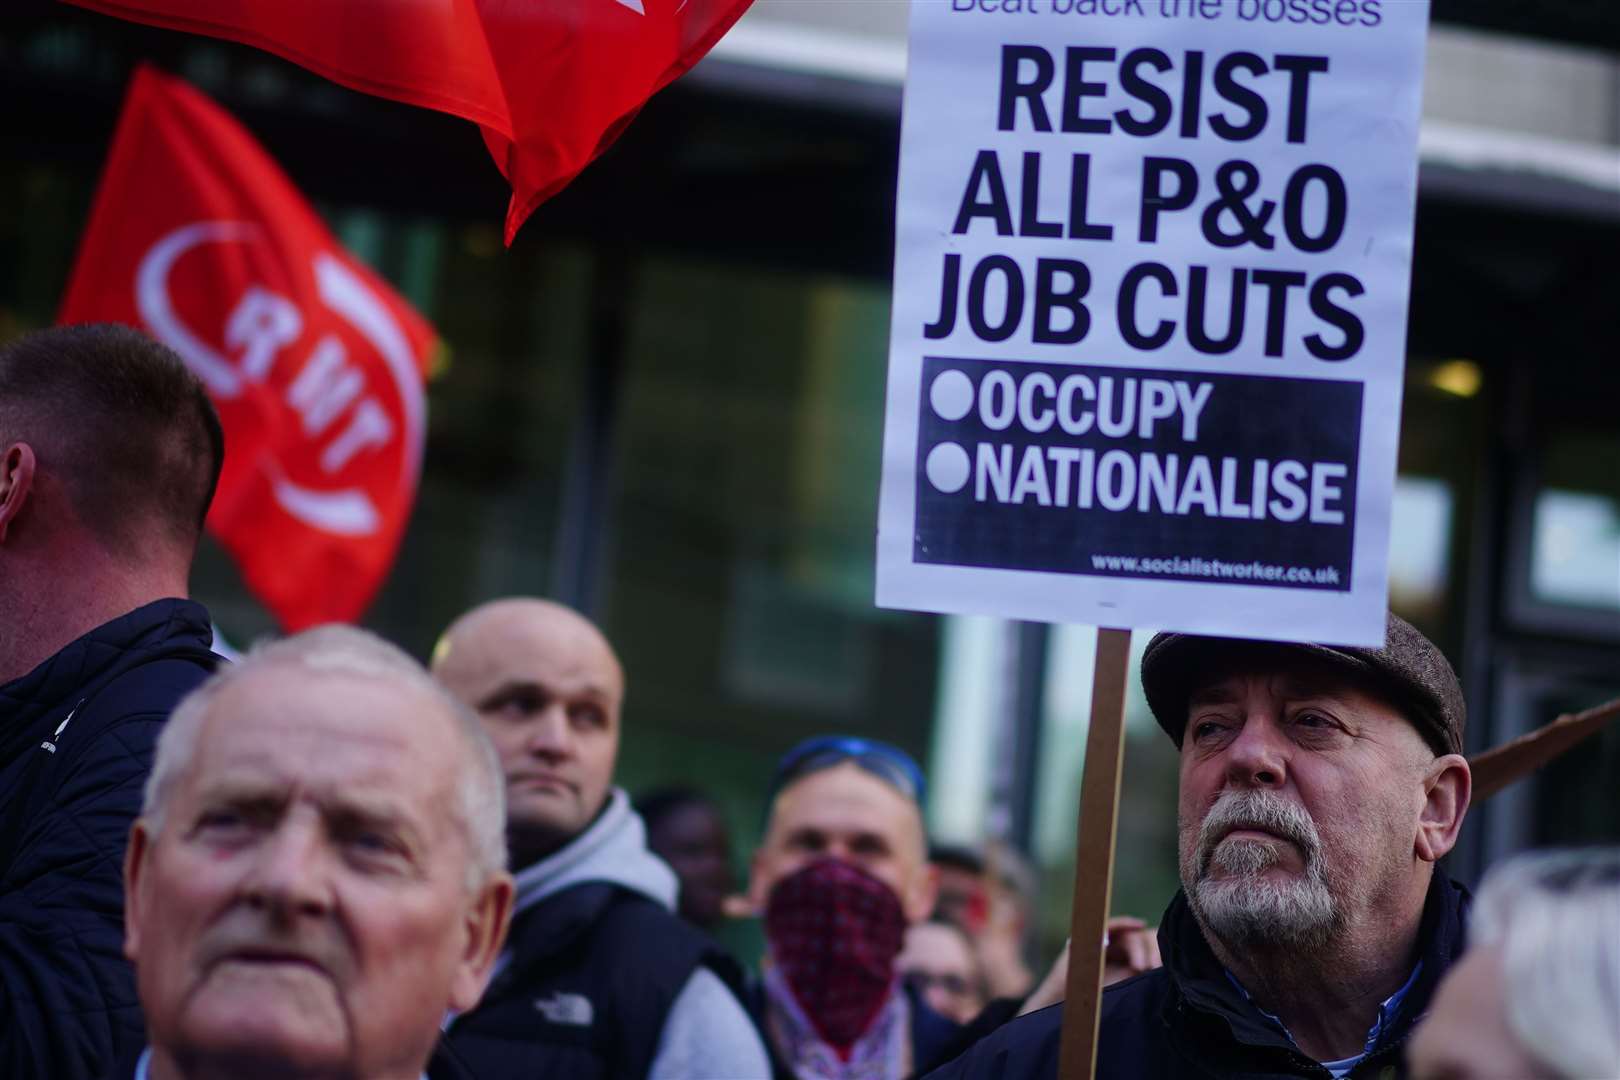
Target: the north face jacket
[(600, 980), (1188, 1020), (76, 741)]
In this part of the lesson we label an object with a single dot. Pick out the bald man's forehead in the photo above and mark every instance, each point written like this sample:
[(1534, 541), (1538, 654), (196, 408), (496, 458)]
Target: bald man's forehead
[(508, 639)]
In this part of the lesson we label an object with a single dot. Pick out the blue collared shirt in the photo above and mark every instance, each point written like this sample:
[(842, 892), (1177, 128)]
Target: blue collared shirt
[(1342, 1067), (146, 1058)]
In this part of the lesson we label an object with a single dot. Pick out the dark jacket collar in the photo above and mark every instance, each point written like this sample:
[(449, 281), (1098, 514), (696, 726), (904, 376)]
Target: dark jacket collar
[(1215, 1003), (162, 626)]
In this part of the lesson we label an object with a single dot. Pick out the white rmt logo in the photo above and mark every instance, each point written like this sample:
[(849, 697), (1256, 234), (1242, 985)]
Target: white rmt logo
[(562, 1008), (326, 388)]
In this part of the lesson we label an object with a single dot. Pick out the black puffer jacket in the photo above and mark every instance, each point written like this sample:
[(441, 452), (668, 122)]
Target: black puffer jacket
[(593, 972), (1187, 1019), (76, 740)]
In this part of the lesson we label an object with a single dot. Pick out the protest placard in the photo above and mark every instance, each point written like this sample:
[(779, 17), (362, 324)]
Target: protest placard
[(1151, 273), (1149, 313)]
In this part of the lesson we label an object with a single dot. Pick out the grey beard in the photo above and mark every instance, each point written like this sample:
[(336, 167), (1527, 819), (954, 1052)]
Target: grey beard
[(1243, 909)]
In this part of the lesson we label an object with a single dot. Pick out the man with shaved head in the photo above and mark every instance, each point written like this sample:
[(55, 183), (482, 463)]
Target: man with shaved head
[(599, 977), (844, 846), (109, 452)]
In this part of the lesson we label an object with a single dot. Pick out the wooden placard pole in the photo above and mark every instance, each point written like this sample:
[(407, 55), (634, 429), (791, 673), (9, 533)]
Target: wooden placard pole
[(1094, 854), (1500, 766)]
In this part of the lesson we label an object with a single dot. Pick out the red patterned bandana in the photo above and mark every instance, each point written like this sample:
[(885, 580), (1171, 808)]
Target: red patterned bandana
[(834, 932)]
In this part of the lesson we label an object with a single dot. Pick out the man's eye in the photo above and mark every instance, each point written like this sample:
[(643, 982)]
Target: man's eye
[(1313, 720), (514, 705), (223, 823), (1204, 730), (524, 705), (372, 843), (589, 716), (364, 836), (374, 849)]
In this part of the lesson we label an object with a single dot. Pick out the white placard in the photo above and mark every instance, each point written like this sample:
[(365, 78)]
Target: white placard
[(1150, 310)]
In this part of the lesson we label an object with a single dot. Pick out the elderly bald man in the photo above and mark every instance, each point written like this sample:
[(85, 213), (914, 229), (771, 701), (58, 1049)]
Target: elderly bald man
[(318, 874), (600, 978)]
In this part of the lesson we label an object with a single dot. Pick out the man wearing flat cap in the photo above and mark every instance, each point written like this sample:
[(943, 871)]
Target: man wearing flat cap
[(1319, 787)]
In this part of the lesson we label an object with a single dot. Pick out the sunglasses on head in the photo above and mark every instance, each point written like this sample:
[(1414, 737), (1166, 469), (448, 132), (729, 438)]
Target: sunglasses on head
[(888, 763)]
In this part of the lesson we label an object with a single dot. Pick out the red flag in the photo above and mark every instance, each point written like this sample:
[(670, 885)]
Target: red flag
[(551, 82), (313, 362)]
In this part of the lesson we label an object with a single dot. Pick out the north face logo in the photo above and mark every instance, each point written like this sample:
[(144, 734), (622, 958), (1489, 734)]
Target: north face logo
[(50, 744), (562, 1008)]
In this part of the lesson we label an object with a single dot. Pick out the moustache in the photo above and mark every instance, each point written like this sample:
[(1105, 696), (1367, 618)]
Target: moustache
[(1262, 811)]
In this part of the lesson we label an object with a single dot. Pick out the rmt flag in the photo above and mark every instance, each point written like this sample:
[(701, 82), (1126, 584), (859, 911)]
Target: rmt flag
[(315, 365), (551, 82)]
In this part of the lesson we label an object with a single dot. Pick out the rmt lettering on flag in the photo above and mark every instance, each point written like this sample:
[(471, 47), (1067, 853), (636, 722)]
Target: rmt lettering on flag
[(313, 362)]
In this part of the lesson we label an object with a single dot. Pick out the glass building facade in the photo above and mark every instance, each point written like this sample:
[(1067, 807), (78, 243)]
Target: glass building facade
[(664, 405)]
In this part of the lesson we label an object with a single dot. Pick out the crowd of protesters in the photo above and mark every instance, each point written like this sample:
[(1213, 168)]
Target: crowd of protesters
[(326, 860)]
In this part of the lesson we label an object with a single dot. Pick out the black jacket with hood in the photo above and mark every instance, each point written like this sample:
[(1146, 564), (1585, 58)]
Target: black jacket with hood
[(76, 741), (1188, 1020)]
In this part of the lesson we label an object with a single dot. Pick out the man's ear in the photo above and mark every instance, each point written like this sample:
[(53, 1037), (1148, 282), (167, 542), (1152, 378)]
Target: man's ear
[(756, 879), (135, 855), (16, 481), (1447, 785), (488, 918), (921, 894)]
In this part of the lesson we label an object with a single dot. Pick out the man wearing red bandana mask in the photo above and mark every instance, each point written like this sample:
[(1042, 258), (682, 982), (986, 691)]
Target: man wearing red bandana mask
[(842, 871)]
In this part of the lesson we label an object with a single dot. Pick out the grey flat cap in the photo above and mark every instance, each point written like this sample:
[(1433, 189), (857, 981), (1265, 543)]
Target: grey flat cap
[(1409, 670)]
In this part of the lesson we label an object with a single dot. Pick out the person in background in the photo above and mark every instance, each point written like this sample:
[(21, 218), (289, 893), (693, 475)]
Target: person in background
[(1537, 994), (990, 897), (841, 873), (844, 848), (318, 874), (686, 829), (939, 965), (1320, 785), (599, 978), (109, 454)]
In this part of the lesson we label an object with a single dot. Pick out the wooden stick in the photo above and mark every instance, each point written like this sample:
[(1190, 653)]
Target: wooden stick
[(1500, 766), (1094, 855)]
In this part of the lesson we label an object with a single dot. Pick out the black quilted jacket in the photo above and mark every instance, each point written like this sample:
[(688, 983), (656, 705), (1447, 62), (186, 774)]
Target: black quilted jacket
[(76, 739)]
